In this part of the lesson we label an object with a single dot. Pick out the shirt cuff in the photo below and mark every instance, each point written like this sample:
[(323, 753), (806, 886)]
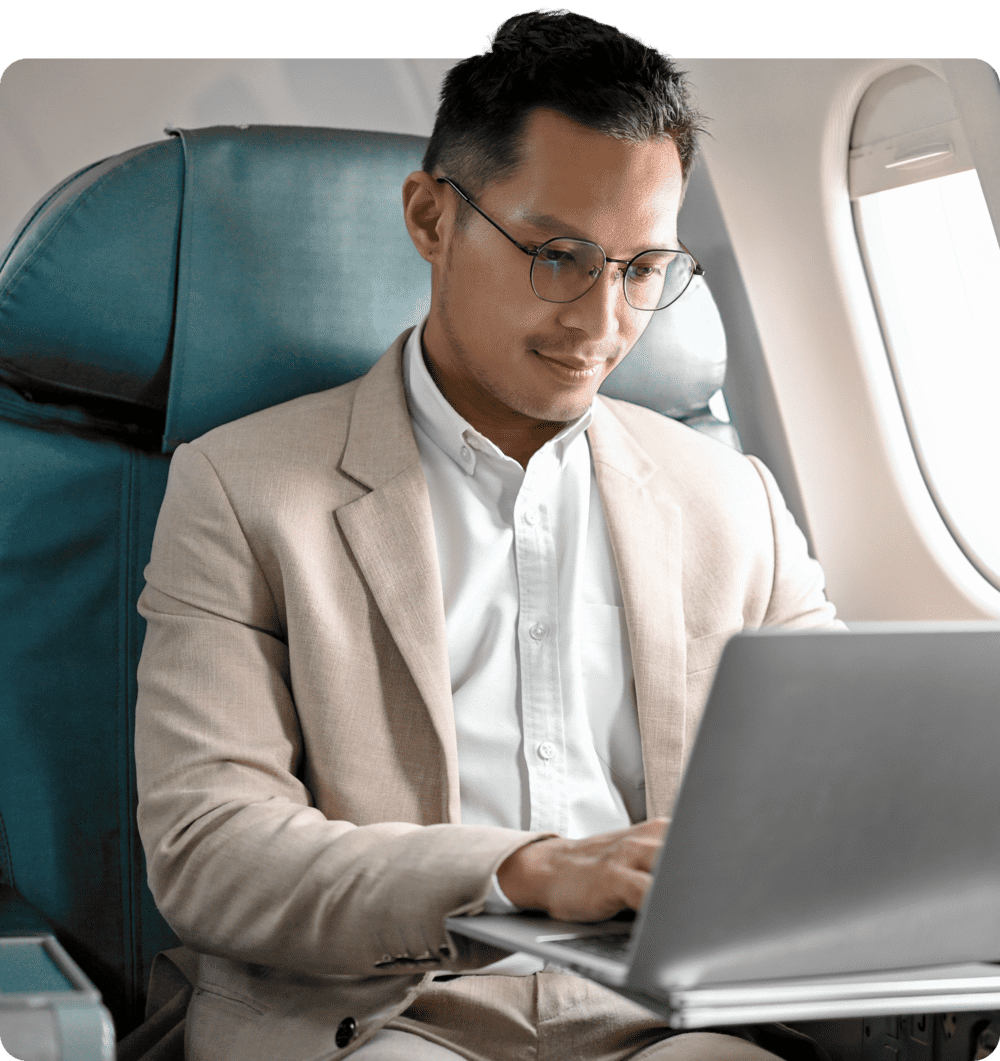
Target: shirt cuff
[(496, 901)]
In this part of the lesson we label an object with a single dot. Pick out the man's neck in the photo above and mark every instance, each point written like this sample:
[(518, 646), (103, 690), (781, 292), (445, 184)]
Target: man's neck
[(518, 436)]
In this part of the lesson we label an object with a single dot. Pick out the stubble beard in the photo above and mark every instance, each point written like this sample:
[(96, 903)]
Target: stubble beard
[(502, 394)]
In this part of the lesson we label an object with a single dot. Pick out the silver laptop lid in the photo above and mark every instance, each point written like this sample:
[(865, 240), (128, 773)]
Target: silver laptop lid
[(839, 811)]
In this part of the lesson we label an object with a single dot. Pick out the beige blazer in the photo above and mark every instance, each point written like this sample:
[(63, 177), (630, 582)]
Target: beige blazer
[(297, 764)]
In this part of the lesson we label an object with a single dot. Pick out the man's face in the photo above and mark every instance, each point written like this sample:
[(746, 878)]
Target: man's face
[(498, 351)]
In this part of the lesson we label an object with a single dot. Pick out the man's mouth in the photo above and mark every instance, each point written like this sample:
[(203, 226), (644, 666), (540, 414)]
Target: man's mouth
[(571, 368)]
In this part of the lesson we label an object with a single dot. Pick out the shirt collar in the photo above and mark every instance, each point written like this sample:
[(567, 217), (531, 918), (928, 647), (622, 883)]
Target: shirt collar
[(452, 433)]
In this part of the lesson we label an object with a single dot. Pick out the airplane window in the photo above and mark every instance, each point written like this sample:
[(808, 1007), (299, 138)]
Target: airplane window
[(934, 267)]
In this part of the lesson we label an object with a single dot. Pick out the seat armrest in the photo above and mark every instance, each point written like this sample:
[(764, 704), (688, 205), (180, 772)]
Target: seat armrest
[(48, 1008)]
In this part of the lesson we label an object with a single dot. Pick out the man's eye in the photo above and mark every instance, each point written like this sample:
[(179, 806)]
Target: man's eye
[(555, 256), (645, 273), (650, 267)]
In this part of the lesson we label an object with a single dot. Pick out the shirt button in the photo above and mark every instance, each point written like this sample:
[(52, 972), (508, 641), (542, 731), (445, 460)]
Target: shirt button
[(345, 1031), (465, 453), (531, 517), (546, 750), (538, 631)]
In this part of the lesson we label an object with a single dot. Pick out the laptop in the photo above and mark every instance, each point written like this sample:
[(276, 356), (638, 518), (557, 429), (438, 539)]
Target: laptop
[(833, 849)]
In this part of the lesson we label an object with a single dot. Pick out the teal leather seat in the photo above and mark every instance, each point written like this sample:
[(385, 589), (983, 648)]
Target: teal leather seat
[(146, 299)]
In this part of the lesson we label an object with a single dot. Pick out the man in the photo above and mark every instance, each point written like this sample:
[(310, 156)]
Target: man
[(438, 639)]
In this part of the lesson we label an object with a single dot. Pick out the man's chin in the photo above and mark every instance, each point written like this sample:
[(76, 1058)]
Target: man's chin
[(561, 413), (548, 404)]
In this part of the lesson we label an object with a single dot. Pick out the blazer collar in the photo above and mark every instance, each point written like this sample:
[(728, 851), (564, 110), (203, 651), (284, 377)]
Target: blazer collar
[(380, 442), (390, 531), (614, 447), (644, 525)]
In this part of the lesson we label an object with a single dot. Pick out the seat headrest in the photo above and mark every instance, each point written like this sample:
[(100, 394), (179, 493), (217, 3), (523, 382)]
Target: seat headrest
[(87, 283), (679, 361), (206, 276), (216, 273)]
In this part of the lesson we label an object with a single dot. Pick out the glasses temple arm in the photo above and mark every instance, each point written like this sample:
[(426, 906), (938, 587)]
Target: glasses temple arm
[(520, 247)]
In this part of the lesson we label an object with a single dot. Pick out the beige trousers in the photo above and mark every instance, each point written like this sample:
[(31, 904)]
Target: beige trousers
[(551, 1016)]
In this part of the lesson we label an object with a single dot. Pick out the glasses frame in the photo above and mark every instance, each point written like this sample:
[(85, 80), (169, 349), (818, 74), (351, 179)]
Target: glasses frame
[(533, 254)]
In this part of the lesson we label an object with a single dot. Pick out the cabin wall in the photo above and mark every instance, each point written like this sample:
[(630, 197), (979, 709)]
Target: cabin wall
[(59, 115), (778, 160)]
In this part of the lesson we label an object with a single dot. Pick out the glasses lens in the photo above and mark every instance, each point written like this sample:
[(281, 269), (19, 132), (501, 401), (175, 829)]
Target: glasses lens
[(563, 269), (657, 278)]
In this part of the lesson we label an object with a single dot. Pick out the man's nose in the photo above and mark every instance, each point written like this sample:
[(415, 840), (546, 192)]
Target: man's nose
[(598, 312)]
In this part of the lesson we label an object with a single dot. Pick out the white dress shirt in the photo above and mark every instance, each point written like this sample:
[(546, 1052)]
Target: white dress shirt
[(541, 673)]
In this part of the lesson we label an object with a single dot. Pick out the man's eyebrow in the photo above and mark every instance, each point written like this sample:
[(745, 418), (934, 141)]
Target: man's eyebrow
[(555, 227), (548, 223)]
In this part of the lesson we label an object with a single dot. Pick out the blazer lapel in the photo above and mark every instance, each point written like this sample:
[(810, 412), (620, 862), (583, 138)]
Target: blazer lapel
[(390, 531), (645, 532)]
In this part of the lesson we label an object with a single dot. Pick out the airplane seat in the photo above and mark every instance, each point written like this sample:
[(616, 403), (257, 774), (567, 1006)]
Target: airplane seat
[(146, 299), (678, 364)]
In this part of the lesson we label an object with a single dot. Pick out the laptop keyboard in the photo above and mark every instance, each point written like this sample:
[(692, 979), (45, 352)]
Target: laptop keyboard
[(608, 945)]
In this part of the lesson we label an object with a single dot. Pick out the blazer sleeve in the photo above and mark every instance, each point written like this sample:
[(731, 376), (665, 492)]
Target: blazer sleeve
[(798, 594), (240, 861)]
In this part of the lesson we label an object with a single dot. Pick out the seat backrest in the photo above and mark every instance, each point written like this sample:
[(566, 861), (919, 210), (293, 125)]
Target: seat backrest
[(146, 299)]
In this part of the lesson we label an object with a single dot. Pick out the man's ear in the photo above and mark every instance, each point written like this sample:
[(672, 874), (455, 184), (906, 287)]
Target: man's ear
[(423, 208)]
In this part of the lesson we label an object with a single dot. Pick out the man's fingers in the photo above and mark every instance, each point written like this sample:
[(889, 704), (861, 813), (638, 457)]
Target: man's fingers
[(638, 852), (657, 825), (584, 880), (638, 846), (635, 862), (632, 858), (634, 885)]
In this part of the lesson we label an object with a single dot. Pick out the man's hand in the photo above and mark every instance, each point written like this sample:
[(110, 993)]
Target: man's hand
[(584, 880)]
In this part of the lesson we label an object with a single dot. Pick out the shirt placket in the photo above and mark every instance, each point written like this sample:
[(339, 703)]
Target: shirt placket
[(538, 644)]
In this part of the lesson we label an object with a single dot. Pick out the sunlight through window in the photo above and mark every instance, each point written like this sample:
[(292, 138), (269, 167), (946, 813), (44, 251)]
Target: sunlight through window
[(935, 268)]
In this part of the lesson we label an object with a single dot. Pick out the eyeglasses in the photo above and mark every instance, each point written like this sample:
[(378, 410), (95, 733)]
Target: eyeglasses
[(563, 269)]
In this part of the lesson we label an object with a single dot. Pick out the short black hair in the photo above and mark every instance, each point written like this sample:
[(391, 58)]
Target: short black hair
[(586, 70)]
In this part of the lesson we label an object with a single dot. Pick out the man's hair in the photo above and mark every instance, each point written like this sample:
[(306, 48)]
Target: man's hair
[(586, 70)]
